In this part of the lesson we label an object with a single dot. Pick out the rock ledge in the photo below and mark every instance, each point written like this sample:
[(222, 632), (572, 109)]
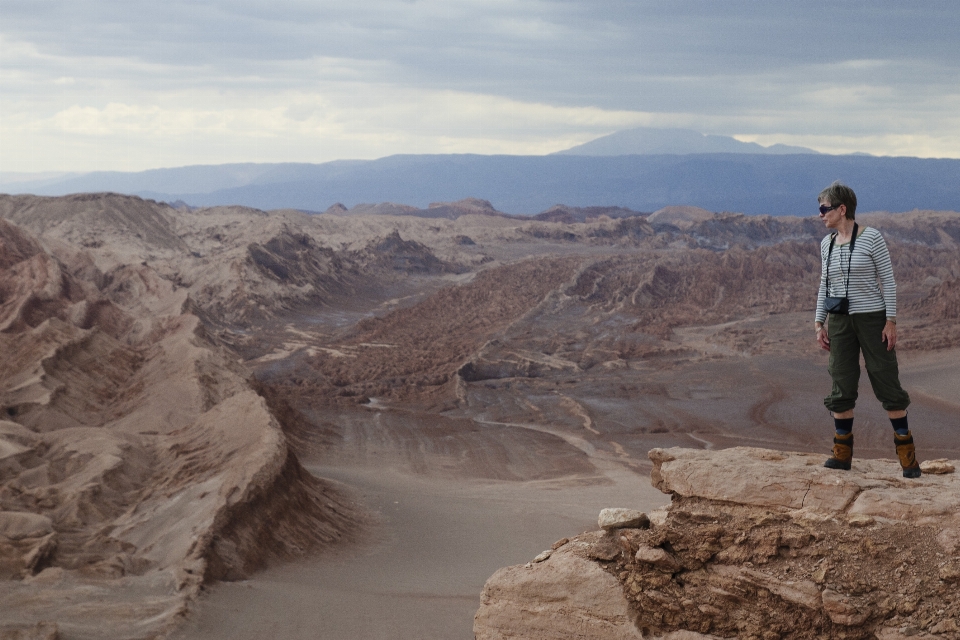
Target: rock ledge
[(756, 544)]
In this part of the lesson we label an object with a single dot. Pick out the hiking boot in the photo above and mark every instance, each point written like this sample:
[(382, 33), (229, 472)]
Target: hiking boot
[(842, 453), (907, 454)]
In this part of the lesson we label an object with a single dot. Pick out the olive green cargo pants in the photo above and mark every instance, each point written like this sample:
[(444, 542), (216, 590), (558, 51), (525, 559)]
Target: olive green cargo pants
[(849, 336)]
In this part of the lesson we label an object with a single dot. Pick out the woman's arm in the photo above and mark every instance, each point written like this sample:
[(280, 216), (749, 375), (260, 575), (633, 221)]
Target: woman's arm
[(821, 314), (881, 260)]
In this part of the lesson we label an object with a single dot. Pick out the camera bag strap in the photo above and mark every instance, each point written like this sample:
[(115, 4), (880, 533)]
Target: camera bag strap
[(846, 283)]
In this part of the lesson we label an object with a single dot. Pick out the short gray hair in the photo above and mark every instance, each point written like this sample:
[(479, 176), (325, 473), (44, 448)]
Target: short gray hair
[(839, 193)]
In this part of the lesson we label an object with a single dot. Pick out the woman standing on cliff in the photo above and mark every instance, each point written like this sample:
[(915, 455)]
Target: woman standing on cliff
[(859, 295)]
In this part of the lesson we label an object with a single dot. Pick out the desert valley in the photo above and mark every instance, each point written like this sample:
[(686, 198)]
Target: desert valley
[(230, 423)]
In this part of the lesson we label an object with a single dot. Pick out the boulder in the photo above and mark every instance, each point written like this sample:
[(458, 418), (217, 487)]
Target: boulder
[(622, 519), (562, 597), (937, 467), (657, 557)]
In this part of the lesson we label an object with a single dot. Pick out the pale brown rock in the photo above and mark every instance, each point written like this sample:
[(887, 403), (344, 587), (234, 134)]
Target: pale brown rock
[(606, 549), (543, 555), (937, 499), (842, 611), (622, 519), (949, 537), (804, 593), (950, 573), (860, 520), (944, 627), (739, 474), (658, 516), (563, 597), (937, 467), (657, 557)]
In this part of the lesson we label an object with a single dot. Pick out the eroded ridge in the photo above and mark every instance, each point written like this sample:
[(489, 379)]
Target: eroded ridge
[(135, 460)]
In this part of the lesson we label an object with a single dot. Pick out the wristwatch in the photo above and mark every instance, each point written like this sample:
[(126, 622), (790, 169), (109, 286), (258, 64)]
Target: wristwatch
[(893, 320), (818, 326)]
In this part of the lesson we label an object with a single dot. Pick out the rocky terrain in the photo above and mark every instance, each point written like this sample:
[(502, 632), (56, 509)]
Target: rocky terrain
[(137, 462), (169, 375), (756, 543)]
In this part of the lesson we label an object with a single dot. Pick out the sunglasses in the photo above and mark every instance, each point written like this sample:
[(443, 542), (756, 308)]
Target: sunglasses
[(824, 208)]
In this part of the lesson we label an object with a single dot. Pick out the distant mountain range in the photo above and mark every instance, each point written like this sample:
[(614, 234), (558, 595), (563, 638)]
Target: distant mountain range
[(753, 183), (650, 141)]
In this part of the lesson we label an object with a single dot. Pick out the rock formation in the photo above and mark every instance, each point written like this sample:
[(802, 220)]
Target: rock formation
[(135, 461), (447, 210), (755, 544), (158, 365), (566, 214)]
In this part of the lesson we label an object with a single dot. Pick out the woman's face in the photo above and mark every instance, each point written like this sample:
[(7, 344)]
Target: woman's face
[(833, 217)]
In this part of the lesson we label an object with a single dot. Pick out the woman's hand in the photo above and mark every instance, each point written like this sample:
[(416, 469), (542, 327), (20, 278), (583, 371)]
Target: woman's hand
[(889, 335), (823, 339)]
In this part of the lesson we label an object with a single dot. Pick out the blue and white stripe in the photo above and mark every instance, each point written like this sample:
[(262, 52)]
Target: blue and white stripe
[(871, 287)]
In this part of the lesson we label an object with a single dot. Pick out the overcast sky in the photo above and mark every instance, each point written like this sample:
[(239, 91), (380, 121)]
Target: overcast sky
[(131, 85)]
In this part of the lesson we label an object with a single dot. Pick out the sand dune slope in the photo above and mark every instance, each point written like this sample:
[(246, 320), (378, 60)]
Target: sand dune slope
[(135, 461)]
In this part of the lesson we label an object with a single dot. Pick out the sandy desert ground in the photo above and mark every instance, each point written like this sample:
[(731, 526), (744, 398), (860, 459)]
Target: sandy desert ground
[(228, 423)]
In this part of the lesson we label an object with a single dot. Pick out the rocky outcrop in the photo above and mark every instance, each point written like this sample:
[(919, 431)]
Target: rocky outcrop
[(537, 601), (756, 544), (622, 519), (97, 220), (393, 253), (446, 210), (416, 352), (465, 207), (681, 217), (567, 214)]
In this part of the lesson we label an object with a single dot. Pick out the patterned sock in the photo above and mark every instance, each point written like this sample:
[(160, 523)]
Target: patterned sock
[(844, 425), (900, 425)]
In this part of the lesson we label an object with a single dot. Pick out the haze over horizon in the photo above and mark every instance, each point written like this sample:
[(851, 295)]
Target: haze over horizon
[(102, 86)]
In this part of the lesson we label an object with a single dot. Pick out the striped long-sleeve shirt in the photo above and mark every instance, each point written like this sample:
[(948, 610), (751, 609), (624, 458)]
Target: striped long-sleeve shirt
[(871, 286)]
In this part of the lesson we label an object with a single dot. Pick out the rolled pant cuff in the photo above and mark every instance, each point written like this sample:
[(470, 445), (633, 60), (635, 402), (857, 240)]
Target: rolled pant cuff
[(840, 408)]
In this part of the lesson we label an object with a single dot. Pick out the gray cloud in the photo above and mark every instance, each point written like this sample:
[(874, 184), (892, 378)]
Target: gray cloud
[(463, 43), (742, 67)]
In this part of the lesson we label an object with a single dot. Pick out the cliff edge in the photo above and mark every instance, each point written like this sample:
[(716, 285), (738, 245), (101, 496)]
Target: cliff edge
[(755, 544)]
